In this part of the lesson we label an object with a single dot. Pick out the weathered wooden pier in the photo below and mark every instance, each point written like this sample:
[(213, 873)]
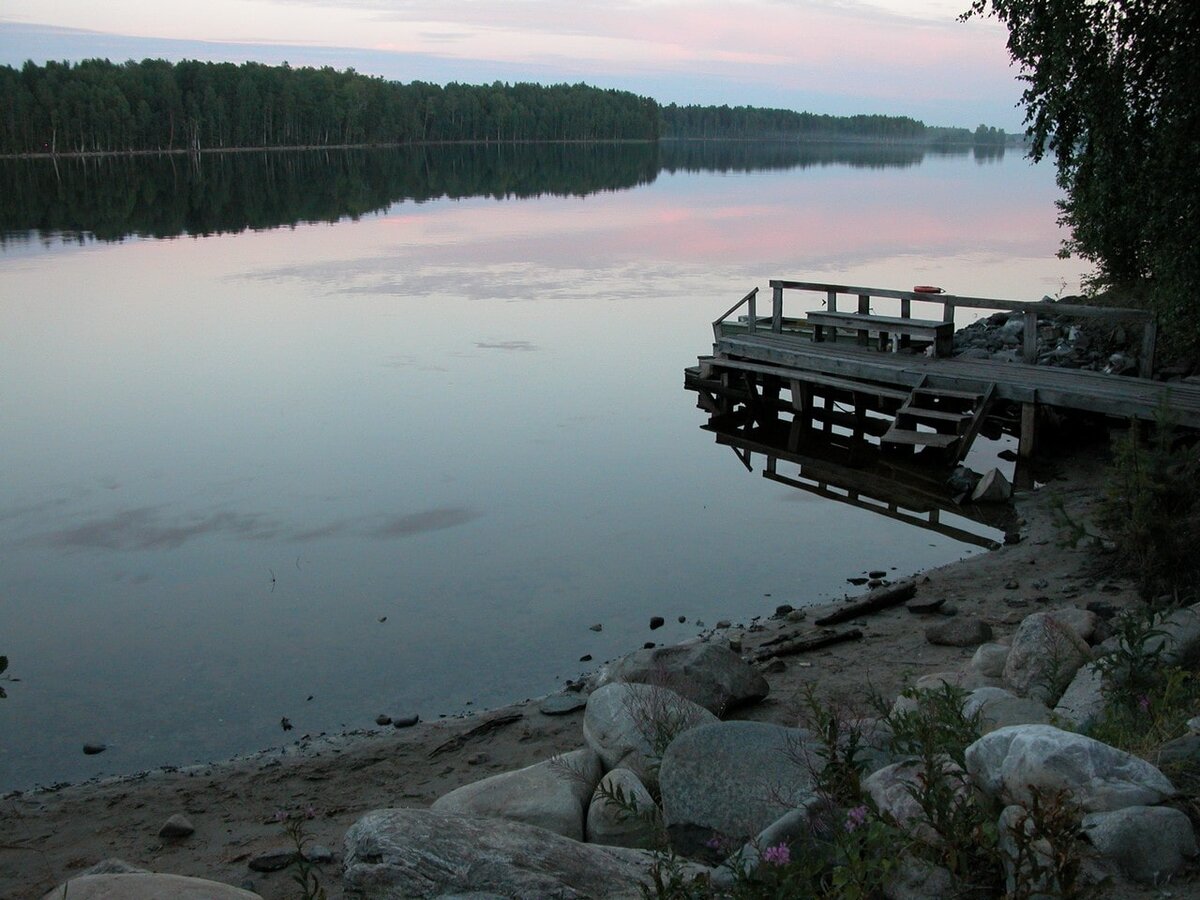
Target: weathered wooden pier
[(891, 378)]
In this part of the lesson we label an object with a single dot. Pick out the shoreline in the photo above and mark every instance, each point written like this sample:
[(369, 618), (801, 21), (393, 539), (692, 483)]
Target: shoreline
[(50, 834)]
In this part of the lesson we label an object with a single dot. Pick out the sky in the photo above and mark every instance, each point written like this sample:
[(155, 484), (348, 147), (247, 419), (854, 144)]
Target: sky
[(841, 57)]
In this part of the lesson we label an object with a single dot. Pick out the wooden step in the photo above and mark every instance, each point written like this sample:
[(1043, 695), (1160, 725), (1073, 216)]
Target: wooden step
[(946, 392), (936, 415), (895, 435)]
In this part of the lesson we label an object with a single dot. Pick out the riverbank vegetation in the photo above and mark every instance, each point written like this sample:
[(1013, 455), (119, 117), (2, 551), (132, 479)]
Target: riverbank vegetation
[(99, 106), (1110, 96)]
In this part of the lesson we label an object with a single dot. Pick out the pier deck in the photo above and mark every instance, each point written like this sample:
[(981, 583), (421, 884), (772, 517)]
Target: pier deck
[(911, 400)]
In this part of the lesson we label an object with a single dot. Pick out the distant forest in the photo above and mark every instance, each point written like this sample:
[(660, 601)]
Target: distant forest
[(100, 106)]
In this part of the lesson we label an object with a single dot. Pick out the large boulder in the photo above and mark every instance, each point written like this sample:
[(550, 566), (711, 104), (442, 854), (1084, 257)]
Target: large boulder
[(409, 853), (630, 725), (622, 813), (553, 794), (1149, 844), (998, 708), (145, 886), (1082, 703), (733, 779), (989, 660), (1044, 656), (704, 672), (960, 631), (1009, 761)]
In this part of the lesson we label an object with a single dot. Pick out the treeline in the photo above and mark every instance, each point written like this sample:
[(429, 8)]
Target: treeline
[(752, 122), (153, 105), (97, 105)]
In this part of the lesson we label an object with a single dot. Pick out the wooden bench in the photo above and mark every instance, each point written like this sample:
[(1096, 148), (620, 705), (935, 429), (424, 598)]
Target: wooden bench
[(898, 331)]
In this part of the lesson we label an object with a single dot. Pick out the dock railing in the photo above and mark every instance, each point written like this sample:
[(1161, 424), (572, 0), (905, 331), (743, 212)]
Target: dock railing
[(1031, 310)]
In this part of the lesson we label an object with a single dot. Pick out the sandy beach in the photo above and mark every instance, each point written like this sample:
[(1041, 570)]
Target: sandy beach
[(48, 836)]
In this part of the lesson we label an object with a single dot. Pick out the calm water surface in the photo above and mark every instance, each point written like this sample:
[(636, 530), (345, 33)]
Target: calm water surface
[(397, 456)]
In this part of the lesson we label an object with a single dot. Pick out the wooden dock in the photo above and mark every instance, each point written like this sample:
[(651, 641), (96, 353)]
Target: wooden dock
[(913, 395)]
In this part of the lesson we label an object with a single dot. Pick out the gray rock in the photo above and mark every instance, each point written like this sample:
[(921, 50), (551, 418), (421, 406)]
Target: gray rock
[(1044, 656), (394, 853), (562, 704), (615, 825), (1083, 622), (733, 779), (318, 854), (145, 886), (924, 604), (1002, 712), (1180, 640), (553, 794), (894, 790), (1009, 761), (631, 725), (989, 660), (178, 826), (1149, 844), (1082, 703), (993, 487), (704, 672), (1182, 753), (113, 866), (272, 860), (918, 879), (405, 721), (961, 631)]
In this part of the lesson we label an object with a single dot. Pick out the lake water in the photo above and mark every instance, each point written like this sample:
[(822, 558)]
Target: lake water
[(329, 435)]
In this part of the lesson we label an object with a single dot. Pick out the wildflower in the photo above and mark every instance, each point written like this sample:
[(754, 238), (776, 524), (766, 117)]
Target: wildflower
[(856, 817), (1144, 703), (779, 855), (280, 815), (310, 813), (713, 843)]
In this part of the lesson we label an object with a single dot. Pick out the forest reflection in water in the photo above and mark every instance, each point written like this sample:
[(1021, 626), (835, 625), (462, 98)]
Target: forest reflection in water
[(109, 198)]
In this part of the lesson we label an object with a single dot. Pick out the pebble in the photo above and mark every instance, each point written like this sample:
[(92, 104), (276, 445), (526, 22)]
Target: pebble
[(649, 645), (561, 704), (318, 853), (783, 609), (381, 719), (405, 721), (93, 749), (776, 666), (1016, 602), (657, 622), (596, 627), (735, 644), (724, 623), (178, 826), (877, 573), (797, 615), (272, 860), (682, 619), (857, 582), (587, 657), (875, 582), (477, 759), (924, 604), (1012, 584)]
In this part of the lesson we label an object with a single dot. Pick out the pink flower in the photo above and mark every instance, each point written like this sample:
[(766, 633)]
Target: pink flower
[(713, 843), (779, 855), (1144, 703), (856, 817)]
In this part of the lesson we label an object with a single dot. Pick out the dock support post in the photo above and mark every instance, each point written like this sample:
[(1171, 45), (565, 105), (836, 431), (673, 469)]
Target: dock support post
[(1025, 445), (1029, 351), (777, 309), (1149, 337)]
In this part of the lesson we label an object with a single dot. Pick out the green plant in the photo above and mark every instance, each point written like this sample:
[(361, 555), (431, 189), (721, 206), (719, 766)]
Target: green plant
[(304, 870), (1151, 509), (1044, 853), (840, 749)]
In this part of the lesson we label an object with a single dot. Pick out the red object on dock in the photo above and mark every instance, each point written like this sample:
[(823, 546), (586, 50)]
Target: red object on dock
[(926, 289)]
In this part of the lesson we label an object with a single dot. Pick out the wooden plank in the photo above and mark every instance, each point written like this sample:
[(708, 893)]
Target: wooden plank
[(880, 599), (803, 644), (776, 309), (1149, 339), (1029, 347)]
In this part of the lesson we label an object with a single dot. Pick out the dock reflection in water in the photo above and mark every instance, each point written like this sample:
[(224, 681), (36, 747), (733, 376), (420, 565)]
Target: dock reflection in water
[(854, 471)]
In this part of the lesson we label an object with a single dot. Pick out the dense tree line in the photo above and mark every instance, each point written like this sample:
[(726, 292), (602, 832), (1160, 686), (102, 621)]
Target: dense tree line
[(97, 105), (1111, 95), (747, 122)]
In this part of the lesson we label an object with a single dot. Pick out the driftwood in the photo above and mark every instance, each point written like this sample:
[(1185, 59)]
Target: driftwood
[(482, 728), (874, 602), (803, 643)]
